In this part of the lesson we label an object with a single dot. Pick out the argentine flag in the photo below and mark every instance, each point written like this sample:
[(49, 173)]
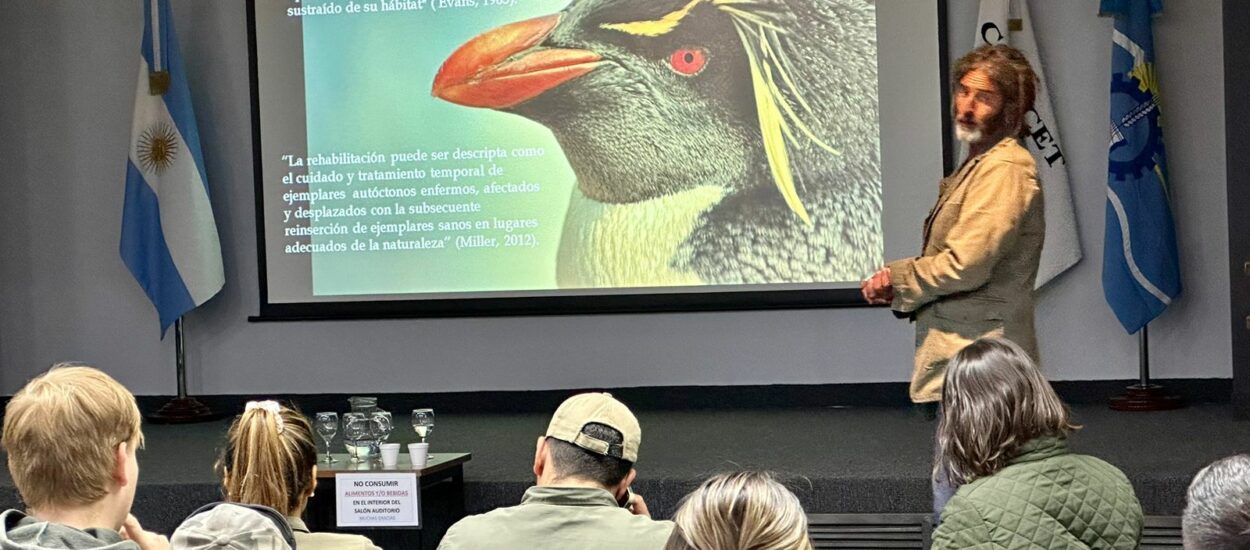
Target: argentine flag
[(169, 239), (1140, 269)]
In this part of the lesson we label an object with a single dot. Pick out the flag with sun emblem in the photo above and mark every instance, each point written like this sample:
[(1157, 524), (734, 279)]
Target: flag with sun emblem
[(1140, 268), (169, 238)]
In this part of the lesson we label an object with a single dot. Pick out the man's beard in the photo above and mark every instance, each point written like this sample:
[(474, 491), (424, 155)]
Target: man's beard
[(969, 135), (975, 132)]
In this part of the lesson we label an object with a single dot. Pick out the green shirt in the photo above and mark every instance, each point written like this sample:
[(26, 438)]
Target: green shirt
[(557, 518)]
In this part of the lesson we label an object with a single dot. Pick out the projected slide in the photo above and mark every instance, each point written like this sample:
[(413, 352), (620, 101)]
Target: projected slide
[(446, 147)]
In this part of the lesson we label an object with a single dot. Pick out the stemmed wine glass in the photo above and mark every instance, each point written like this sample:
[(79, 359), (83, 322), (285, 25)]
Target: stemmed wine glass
[(356, 433), (327, 425), (423, 422), (380, 425)]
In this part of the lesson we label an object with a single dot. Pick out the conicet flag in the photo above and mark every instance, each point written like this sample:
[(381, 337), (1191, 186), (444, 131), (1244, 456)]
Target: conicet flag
[(169, 238), (1140, 270), (1008, 22)]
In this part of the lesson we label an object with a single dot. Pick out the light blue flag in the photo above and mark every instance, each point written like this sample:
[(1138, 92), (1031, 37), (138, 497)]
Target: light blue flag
[(1140, 271), (169, 238)]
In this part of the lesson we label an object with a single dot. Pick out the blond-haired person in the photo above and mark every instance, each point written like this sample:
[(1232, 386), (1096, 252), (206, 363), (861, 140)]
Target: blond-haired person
[(71, 436), (271, 460), (740, 510), (1003, 440)]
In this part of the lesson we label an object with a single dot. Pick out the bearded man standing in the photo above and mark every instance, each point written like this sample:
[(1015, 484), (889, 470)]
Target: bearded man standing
[(983, 238)]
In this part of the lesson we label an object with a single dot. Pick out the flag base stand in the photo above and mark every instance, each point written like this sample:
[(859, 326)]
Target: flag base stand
[(1144, 395), (1151, 397), (183, 409)]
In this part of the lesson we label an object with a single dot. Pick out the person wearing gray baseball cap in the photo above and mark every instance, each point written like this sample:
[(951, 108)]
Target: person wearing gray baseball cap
[(583, 467), (228, 526)]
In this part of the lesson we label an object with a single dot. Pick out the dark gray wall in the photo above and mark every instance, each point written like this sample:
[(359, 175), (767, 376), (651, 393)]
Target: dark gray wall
[(67, 75), (1237, 132)]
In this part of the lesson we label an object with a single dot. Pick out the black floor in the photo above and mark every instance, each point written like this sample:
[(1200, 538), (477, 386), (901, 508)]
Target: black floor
[(838, 460)]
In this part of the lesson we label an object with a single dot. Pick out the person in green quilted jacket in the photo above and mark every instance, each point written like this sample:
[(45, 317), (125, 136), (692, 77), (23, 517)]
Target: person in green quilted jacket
[(1003, 440)]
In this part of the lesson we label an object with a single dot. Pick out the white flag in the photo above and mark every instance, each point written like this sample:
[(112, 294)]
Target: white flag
[(1008, 22)]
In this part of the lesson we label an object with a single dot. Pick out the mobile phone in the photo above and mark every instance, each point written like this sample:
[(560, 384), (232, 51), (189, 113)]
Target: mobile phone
[(627, 500)]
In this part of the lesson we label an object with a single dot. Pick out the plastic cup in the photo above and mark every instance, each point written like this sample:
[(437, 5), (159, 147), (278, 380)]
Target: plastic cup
[(390, 454), (419, 453)]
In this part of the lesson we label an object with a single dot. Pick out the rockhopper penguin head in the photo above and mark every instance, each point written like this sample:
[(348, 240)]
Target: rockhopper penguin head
[(649, 98)]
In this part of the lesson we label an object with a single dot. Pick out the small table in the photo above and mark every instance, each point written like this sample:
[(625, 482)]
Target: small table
[(441, 484)]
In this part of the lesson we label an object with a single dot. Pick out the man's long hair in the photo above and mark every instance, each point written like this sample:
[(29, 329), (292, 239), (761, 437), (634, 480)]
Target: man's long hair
[(1011, 73)]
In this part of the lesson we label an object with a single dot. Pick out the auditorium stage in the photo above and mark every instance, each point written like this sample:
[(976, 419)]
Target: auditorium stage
[(838, 460)]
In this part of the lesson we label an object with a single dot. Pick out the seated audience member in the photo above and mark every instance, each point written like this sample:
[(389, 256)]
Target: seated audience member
[(71, 436), (1217, 509), (584, 466), (226, 526), (742, 510), (271, 460), (1003, 440)]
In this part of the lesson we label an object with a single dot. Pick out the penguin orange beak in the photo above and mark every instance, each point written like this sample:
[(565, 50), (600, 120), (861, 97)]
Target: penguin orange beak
[(503, 67)]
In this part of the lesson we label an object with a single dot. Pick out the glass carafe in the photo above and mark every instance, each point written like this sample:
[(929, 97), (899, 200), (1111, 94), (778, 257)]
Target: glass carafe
[(366, 448)]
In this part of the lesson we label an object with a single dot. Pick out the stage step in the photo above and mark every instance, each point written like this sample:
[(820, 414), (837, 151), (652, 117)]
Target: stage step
[(913, 531), (870, 531), (1161, 533)]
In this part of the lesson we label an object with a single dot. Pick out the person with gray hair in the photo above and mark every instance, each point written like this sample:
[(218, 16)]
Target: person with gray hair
[(1217, 506)]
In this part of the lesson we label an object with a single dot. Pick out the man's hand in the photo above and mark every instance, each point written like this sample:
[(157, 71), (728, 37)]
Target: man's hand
[(637, 506), (147, 540), (878, 290)]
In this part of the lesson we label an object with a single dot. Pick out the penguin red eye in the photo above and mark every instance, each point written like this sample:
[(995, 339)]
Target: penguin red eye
[(688, 61)]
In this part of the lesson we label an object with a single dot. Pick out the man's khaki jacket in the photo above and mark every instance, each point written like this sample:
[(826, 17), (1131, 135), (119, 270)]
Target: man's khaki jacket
[(982, 244)]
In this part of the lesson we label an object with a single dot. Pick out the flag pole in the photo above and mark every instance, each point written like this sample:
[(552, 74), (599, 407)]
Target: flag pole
[(180, 358), (1145, 395), (182, 409)]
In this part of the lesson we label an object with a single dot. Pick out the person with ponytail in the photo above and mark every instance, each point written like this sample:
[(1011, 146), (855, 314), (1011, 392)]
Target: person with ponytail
[(271, 460)]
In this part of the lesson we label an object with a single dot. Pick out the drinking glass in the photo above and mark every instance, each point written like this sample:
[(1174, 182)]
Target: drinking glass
[(423, 422), (380, 425), (356, 433), (327, 424)]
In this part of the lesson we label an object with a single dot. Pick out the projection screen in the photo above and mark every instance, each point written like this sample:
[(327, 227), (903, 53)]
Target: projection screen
[(465, 157)]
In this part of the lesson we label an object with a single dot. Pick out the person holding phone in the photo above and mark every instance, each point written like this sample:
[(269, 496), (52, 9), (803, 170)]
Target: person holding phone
[(583, 466)]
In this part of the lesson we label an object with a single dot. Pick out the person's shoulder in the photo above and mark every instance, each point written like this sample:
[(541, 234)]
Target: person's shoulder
[(502, 513), (476, 531), (992, 489), (1098, 468), (1081, 469), (982, 488), (1011, 151), (317, 541), (654, 529)]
